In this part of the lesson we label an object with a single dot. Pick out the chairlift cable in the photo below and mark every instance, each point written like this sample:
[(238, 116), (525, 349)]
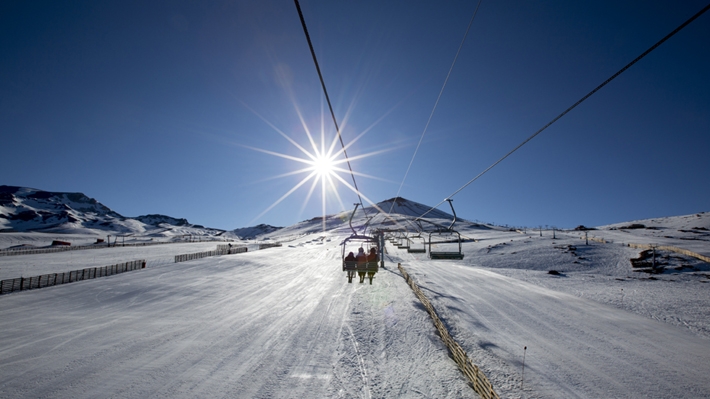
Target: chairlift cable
[(645, 53), (436, 103), (327, 98)]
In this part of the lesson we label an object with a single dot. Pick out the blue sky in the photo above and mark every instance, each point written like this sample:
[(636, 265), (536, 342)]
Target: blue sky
[(156, 107)]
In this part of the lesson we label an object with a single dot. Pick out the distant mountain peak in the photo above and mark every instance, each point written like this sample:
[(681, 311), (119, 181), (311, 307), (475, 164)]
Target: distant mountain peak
[(406, 207), (30, 209), (157, 220), (248, 233)]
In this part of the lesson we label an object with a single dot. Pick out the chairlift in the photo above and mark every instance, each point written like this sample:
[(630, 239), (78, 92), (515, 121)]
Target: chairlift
[(403, 242), (417, 244), (445, 236), (352, 244)]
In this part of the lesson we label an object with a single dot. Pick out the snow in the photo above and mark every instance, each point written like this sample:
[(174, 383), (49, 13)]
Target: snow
[(29, 209), (154, 255), (284, 322), (261, 324)]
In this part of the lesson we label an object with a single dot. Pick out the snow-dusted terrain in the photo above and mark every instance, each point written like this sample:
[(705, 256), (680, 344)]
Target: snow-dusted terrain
[(284, 323), (29, 209)]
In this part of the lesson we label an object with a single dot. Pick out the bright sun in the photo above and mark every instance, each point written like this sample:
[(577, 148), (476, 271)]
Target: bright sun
[(323, 165)]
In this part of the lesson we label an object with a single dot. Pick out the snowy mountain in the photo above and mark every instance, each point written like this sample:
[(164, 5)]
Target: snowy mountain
[(378, 216), (157, 220), (405, 207), (686, 227), (248, 233), (24, 209), (404, 214)]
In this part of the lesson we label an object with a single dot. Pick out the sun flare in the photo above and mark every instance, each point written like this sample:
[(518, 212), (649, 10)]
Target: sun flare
[(323, 165), (325, 161)]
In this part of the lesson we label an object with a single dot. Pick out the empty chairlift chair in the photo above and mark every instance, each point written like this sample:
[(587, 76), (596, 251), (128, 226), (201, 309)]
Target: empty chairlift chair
[(417, 244), (445, 243), (403, 242)]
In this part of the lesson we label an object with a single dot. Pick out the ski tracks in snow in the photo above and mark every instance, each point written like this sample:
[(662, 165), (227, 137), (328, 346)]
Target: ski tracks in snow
[(278, 323), (576, 347)]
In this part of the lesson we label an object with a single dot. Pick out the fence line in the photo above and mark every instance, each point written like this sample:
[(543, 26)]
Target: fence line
[(48, 280), (34, 251), (672, 249), (232, 249), (477, 378), (599, 240), (270, 245), (659, 247), (221, 250)]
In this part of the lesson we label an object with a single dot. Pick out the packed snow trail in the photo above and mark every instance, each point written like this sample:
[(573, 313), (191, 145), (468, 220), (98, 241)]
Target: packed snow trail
[(576, 348), (277, 323)]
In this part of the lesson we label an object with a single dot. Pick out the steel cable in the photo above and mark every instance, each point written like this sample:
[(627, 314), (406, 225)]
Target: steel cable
[(327, 98), (436, 103), (668, 36)]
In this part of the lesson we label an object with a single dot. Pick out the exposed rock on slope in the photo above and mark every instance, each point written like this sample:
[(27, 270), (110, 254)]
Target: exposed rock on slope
[(28, 209)]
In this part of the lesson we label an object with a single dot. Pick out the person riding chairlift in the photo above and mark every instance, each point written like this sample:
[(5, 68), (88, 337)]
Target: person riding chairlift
[(361, 257), (372, 257), (350, 257)]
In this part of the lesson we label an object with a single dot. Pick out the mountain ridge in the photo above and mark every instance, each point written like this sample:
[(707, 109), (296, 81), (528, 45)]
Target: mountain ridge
[(24, 209)]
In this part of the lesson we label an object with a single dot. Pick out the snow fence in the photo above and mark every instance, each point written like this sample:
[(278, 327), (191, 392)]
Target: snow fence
[(270, 245), (221, 250), (672, 249), (48, 280), (34, 251), (478, 380)]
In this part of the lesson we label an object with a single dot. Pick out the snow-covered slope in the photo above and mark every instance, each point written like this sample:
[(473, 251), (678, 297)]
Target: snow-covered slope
[(157, 220), (691, 230), (697, 221), (284, 322), (250, 233), (25, 209), (405, 207), (382, 216)]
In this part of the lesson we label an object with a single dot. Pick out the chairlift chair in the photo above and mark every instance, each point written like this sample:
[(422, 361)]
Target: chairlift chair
[(445, 236), (352, 244), (417, 244), (403, 242), (440, 237)]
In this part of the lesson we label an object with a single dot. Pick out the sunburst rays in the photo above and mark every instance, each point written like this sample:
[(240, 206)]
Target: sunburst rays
[(322, 164)]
